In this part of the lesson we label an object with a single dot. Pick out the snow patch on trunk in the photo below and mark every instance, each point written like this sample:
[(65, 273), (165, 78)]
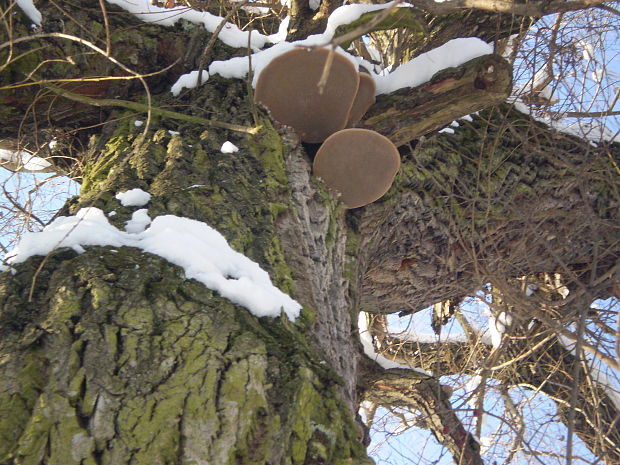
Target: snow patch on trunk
[(133, 198), (200, 250), (230, 34)]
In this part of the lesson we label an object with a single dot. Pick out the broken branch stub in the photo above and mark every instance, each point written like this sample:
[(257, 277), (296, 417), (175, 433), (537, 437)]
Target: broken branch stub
[(288, 88), (359, 164)]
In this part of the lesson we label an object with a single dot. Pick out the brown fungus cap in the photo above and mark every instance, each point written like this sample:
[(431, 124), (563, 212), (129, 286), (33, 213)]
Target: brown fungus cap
[(357, 163), (288, 88), (364, 99)]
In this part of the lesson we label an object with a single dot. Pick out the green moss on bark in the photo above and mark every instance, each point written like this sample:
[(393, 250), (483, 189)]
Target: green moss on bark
[(139, 367)]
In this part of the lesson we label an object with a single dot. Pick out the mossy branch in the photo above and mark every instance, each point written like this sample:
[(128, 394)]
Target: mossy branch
[(143, 108), (452, 93)]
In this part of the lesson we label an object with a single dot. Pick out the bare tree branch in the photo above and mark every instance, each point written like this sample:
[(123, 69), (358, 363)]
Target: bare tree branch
[(535, 9), (405, 388)]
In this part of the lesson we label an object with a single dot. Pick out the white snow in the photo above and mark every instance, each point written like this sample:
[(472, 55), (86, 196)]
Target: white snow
[(606, 383), (496, 330), (365, 410), (569, 343), (423, 67), (188, 81), (229, 147), (230, 34), (25, 160), (173, 133), (598, 375), (140, 219), (446, 131), (133, 198), (497, 326), (137, 123), (369, 348), (30, 10), (200, 250), (280, 36), (238, 67)]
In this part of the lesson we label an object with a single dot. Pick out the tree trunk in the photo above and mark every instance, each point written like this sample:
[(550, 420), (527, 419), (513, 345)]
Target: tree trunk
[(113, 357), (119, 359)]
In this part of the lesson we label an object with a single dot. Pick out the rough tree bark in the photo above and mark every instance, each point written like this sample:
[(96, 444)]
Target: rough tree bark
[(113, 357)]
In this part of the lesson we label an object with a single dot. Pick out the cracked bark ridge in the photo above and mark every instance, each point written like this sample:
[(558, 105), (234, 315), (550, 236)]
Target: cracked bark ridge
[(313, 235), (107, 370)]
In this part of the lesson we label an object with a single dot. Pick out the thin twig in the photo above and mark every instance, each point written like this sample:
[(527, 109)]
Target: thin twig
[(106, 24), (248, 83)]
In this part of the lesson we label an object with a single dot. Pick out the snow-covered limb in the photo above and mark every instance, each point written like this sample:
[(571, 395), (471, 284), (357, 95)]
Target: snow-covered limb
[(414, 73), (423, 67), (231, 35), (459, 91), (200, 250), (369, 348), (533, 9)]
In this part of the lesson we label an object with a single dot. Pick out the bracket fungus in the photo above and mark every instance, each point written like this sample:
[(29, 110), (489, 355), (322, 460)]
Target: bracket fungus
[(359, 164), (288, 88), (364, 99)]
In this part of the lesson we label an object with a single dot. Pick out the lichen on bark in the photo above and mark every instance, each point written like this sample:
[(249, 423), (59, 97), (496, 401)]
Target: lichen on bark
[(126, 361)]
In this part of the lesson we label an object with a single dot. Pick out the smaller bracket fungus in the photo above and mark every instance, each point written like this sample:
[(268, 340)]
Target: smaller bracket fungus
[(357, 163), (364, 99), (288, 88)]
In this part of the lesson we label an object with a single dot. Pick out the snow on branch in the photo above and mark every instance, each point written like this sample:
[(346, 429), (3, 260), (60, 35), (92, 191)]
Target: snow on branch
[(30, 10), (419, 70), (230, 34), (200, 250), (369, 348), (22, 161)]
